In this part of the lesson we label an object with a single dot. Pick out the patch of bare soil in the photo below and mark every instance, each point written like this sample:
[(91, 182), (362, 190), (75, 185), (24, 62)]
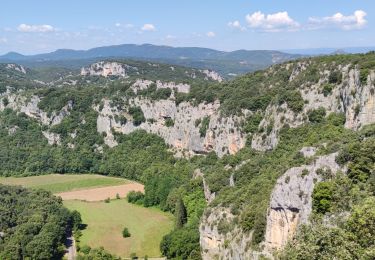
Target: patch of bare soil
[(98, 194)]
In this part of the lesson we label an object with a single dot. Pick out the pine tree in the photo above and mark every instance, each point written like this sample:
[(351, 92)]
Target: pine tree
[(181, 214)]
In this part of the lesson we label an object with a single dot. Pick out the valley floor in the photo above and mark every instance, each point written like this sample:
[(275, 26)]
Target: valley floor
[(105, 221)]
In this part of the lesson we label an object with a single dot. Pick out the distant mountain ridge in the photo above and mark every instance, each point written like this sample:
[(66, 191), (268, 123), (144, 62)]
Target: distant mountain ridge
[(226, 63)]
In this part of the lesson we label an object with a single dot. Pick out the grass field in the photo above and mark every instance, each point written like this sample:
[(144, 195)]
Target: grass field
[(105, 222), (64, 182)]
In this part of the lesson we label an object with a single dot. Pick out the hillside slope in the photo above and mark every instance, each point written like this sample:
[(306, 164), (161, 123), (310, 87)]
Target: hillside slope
[(226, 63), (288, 150)]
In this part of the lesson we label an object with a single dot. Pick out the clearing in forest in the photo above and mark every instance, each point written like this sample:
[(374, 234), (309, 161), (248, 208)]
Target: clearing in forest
[(105, 222)]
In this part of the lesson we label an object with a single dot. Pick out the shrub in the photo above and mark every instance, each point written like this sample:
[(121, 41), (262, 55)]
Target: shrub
[(204, 126), (327, 89), (317, 115), (107, 200), (293, 98), (125, 233), (137, 114), (169, 122), (5, 101), (335, 77), (135, 197), (322, 197)]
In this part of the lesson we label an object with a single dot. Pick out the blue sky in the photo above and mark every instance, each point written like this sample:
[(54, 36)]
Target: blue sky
[(41, 26)]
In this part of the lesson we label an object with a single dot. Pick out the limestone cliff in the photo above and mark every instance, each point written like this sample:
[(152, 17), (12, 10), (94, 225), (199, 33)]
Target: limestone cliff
[(222, 135), (106, 68), (291, 201), (351, 97)]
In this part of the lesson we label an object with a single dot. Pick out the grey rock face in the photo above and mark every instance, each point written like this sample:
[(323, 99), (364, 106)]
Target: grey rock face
[(291, 201), (106, 69), (222, 136), (351, 97)]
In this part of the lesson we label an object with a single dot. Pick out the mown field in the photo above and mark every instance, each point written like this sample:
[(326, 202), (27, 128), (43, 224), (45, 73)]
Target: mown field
[(64, 182), (105, 222)]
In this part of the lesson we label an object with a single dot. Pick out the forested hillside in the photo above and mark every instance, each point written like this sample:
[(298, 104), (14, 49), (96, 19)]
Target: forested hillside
[(33, 224), (274, 163)]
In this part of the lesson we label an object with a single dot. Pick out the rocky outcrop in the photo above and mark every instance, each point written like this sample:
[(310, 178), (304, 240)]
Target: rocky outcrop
[(29, 106), (16, 67), (212, 75), (52, 138), (222, 136), (221, 238), (291, 201), (216, 245), (140, 84), (106, 68), (275, 118), (209, 196), (351, 97)]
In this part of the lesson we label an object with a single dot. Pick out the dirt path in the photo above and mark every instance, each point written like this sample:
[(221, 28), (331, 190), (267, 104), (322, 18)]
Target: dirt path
[(98, 194), (70, 244)]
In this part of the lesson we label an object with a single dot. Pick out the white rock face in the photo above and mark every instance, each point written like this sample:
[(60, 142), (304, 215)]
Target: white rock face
[(16, 67), (209, 196), (291, 201), (355, 100), (233, 245), (222, 136), (29, 106), (141, 84), (212, 75), (52, 138), (106, 69)]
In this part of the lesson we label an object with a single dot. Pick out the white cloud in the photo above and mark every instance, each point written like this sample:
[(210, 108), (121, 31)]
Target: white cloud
[(271, 22), (236, 25), (210, 34), (3, 40), (35, 28), (148, 27), (128, 25), (354, 21)]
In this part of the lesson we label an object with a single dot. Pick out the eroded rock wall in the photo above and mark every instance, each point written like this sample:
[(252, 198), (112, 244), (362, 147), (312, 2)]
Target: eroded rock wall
[(291, 202), (223, 134)]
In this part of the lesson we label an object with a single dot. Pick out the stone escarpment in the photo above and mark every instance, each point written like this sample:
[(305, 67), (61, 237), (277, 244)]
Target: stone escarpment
[(29, 106), (290, 206), (291, 201), (140, 84), (220, 239), (16, 67), (105, 69), (353, 98), (222, 135)]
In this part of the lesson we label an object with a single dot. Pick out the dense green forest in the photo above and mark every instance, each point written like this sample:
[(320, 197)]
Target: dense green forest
[(33, 224)]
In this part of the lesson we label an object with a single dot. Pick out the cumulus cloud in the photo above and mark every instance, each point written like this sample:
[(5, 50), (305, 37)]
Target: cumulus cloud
[(148, 27), (351, 22), (236, 25), (35, 28), (271, 22), (210, 34)]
